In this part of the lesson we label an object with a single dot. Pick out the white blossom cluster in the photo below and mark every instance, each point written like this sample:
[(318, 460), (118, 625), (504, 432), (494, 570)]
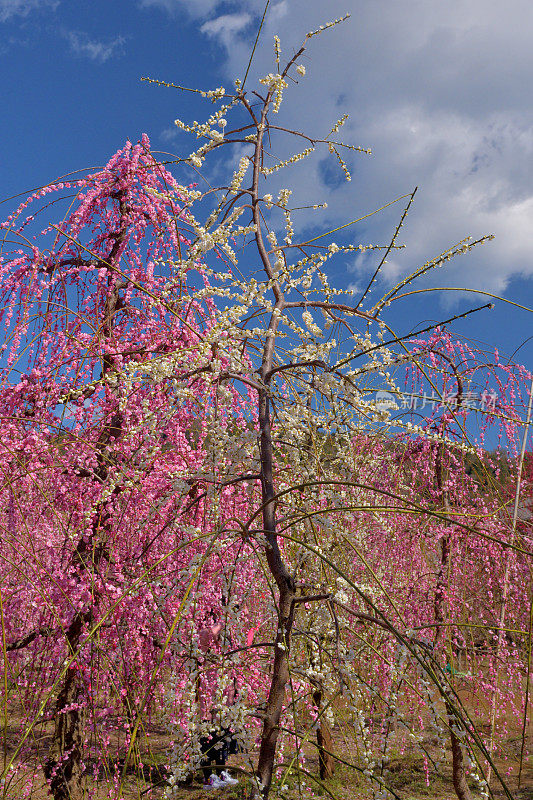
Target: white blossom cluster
[(288, 161), (338, 125), (325, 27), (238, 176), (332, 149), (276, 83), (207, 129), (464, 246), (277, 50)]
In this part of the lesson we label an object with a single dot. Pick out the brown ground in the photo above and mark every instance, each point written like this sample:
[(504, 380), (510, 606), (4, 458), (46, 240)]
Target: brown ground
[(406, 774)]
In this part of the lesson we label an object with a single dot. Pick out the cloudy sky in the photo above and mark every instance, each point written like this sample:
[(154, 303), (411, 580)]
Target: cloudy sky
[(439, 91)]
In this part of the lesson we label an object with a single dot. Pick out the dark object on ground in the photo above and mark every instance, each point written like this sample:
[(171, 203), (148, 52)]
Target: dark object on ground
[(217, 748)]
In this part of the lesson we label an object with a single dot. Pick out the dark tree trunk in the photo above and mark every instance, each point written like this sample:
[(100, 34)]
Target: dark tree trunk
[(458, 769), (324, 740), (64, 768), (276, 695), (287, 594)]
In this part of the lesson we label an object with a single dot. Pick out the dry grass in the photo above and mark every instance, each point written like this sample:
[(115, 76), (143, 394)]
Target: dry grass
[(406, 774)]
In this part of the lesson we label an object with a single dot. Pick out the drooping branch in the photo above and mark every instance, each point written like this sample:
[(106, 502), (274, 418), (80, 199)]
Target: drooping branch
[(24, 641)]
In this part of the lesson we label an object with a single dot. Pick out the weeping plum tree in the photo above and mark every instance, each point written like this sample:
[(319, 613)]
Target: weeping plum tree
[(190, 431), (303, 387), (457, 371), (104, 468)]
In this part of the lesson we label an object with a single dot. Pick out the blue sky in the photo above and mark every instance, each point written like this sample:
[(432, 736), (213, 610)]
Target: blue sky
[(439, 91)]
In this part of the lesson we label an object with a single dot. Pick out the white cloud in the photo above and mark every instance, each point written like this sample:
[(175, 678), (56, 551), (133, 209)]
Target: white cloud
[(196, 8), (202, 9), (439, 91), (12, 8), (100, 51), (226, 27)]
